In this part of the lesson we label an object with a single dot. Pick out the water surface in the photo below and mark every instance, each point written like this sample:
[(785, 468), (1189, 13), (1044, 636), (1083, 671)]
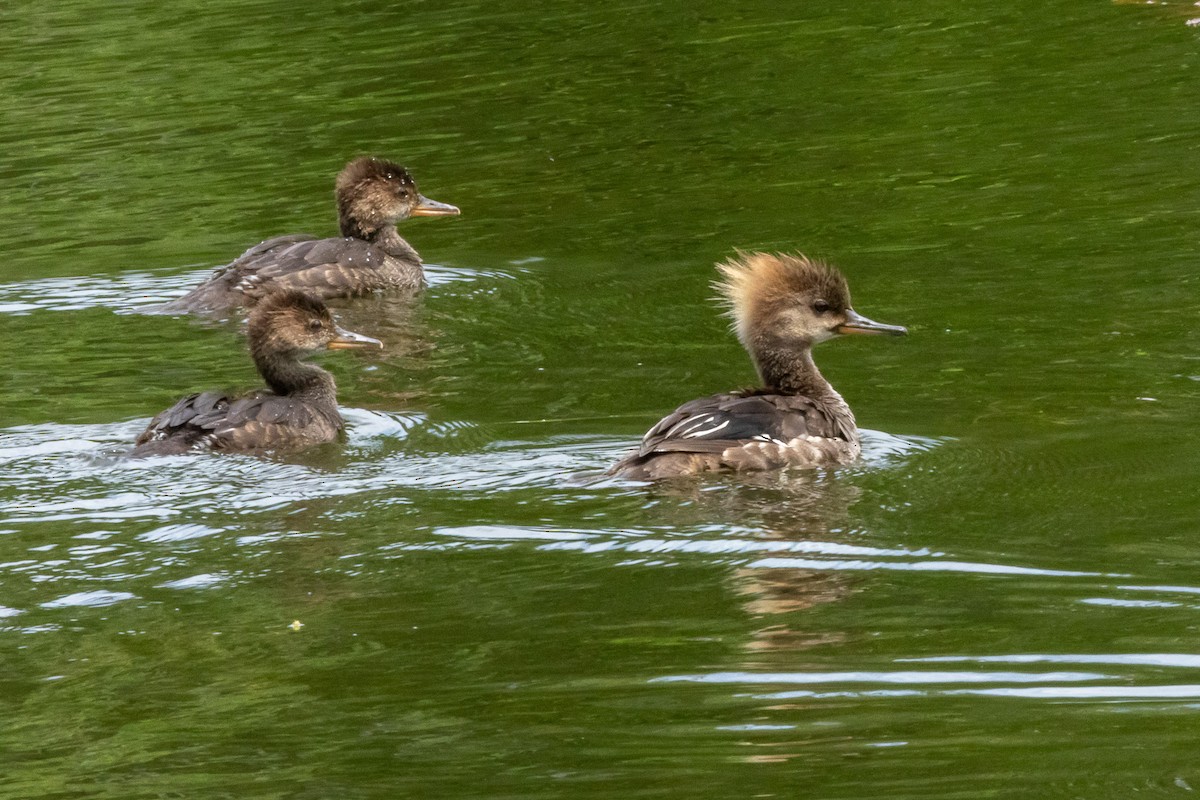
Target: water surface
[(998, 601)]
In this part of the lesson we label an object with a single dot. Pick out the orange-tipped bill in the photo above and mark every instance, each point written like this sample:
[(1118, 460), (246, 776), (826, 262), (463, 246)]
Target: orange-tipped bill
[(348, 340), (432, 208), (857, 323)]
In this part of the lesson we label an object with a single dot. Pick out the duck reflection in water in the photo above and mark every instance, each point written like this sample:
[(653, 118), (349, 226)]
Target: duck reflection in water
[(300, 409), (801, 519), (372, 196), (781, 306)]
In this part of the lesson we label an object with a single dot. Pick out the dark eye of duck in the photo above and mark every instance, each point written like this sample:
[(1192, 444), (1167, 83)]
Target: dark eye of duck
[(314, 325), (820, 306)]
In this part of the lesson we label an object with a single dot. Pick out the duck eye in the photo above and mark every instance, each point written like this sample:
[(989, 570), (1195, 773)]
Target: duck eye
[(820, 306), (314, 325)]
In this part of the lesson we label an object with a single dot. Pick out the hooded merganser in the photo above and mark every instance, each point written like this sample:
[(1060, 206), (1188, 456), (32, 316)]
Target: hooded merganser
[(372, 196), (781, 306), (301, 408)]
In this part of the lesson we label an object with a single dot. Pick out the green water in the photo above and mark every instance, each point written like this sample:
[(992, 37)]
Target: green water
[(999, 601)]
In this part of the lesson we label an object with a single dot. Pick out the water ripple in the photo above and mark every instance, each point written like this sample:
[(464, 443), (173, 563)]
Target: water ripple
[(1110, 693), (95, 599), (142, 290), (206, 580), (83, 477), (905, 676), (178, 533), (1140, 659), (393, 460), (946, 683), (917, 566)]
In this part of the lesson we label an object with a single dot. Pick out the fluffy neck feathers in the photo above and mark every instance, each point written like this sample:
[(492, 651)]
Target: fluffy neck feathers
[(288, 376), (789, 369)]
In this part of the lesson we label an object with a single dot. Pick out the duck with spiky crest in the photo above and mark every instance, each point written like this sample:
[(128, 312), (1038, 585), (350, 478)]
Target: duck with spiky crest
[(781, 305), (300, 409), (372, 195)]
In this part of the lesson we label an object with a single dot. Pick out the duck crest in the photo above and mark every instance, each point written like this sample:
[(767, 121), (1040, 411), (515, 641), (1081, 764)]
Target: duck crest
[(754, 283), (366, 168)]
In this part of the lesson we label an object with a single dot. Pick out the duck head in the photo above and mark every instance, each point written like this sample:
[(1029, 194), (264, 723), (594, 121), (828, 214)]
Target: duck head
[(373, 193)]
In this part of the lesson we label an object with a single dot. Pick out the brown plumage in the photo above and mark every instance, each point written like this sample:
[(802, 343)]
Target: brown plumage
[(372, 196), (300, 409), (781, 306)]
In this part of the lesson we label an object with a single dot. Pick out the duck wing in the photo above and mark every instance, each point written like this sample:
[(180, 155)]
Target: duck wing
[(183, 426), (267, 248), (272, 422), (221, 291), (711, 424), (325, 268), (256, 422), (742, 431)]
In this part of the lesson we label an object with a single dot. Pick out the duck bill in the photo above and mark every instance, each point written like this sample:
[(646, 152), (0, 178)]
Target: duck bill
[(432, 208), (858, 324), (348, 340)]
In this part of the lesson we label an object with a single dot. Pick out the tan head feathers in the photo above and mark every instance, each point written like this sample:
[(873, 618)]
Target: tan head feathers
[(753, 284)]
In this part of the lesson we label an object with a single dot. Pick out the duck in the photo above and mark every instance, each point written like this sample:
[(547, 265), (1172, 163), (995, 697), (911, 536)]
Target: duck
[(373, 194), (300, 407), (781, 305)]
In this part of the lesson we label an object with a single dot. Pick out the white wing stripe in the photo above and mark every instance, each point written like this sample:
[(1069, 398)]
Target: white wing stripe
[(695, 433), (764, 437), (683, 427)]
